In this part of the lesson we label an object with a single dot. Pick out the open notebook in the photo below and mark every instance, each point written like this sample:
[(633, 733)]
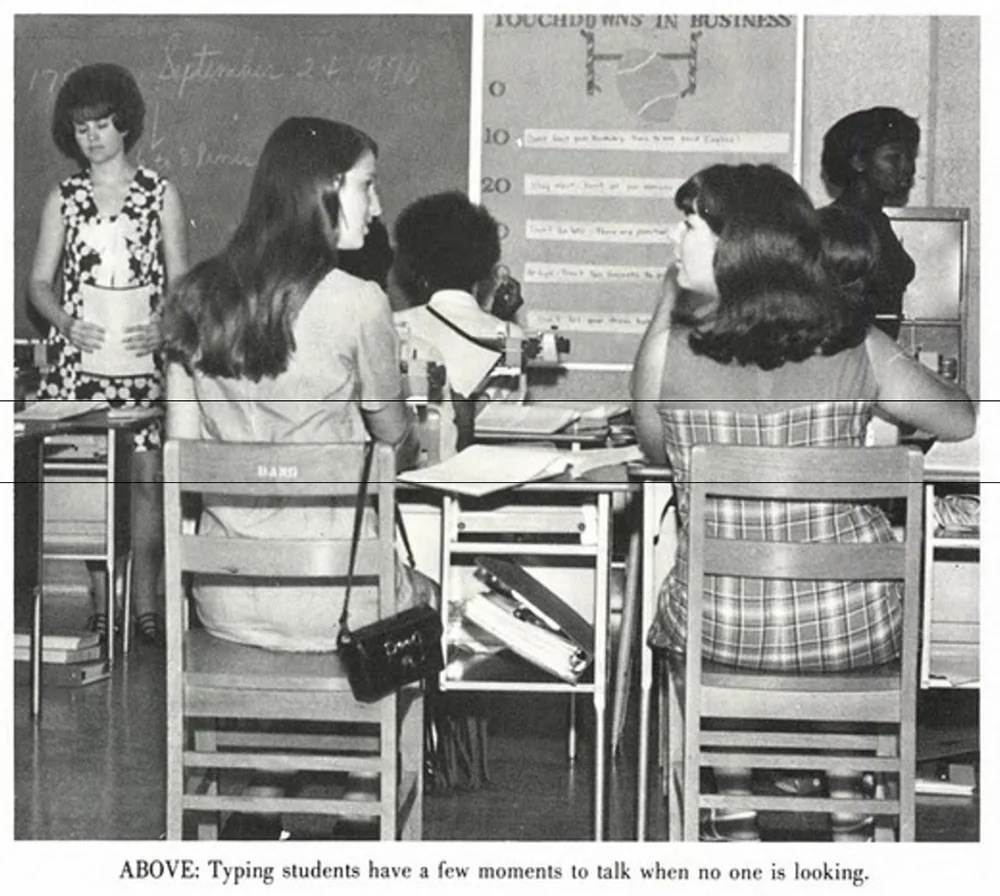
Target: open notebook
[(484, 469)]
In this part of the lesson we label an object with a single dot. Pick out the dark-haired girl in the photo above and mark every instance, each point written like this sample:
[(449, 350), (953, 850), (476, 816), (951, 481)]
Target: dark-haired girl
[(869, 161), (775, 356), (111, 225)]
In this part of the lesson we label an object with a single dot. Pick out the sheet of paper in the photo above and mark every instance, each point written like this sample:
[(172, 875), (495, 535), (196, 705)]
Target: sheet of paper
[(514, 417), (116, 310), (51, 410), (483, 469)]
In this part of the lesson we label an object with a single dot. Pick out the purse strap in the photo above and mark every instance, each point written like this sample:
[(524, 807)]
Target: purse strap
[(359, 507), (404, 538)]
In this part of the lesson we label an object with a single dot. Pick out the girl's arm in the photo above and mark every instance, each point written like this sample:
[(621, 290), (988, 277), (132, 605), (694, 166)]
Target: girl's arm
[(646, 377), (911, 393), (148, 337), (48, 253), (174, 235), (183, 416)]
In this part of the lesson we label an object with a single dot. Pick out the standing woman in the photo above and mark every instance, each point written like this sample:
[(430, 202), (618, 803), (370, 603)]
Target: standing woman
[(112, 225), (869, 160)]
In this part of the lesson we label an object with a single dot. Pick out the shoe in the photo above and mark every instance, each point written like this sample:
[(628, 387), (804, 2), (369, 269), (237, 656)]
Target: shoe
[(779, 783), (720, 826), (248, 826), (98, 622), (852, 828), (151, 630)]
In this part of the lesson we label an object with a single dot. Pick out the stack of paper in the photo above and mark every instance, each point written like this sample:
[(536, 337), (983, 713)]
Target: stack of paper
[(514, 418)]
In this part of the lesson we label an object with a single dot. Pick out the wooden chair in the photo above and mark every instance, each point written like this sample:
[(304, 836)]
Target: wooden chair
[(235, 710), (859, 722)]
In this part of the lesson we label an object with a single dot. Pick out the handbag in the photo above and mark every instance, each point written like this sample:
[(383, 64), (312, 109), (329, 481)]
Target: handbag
[(387, 654)]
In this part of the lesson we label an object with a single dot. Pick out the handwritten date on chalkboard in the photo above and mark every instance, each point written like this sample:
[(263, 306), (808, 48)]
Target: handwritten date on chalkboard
[(209, 65)]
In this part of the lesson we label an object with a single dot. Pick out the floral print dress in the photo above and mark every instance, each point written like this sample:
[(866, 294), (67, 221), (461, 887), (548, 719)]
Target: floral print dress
[(121, 250)]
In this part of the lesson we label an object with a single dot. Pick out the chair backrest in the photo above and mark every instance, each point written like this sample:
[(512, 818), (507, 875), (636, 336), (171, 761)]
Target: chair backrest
[(285, 471), (838, 475)]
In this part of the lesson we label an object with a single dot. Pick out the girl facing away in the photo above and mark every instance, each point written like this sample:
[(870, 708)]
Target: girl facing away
[(111, 225), (775, 355), (270, 341)]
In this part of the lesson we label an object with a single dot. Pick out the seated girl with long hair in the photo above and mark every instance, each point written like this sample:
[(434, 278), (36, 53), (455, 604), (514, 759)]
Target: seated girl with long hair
[(269, 341), (776, 356)]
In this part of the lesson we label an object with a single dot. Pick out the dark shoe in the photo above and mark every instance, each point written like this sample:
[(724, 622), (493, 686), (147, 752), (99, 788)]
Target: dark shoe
[(247, 826), (151, 630), (98, 622)]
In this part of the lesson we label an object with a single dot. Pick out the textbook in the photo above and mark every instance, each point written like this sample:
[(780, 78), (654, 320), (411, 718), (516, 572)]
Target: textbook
[(57, 655), (65, 640), (74, 675), (531, 620)]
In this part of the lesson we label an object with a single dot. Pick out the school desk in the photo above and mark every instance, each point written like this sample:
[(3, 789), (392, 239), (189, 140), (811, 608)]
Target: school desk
[(32, 466)]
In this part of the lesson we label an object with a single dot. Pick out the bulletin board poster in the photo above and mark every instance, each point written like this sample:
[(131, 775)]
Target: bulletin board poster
[(591, 123)]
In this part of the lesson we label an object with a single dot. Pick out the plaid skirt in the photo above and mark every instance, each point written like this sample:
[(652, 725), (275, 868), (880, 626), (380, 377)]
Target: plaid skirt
[(775, 624)]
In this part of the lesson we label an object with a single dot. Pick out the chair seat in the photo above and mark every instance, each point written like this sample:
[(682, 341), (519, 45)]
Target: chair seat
[(216, 663), (881, 678)]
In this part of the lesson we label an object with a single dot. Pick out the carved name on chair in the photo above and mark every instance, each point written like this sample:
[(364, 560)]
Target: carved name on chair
[(277, 471)]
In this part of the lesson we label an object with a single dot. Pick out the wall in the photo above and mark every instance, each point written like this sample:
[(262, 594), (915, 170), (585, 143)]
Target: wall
[(927, 66)]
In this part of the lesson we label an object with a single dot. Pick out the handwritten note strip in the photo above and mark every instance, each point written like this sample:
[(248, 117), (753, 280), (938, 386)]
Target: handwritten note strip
[(598, 231), (559, 272), (589, 321), (658, 141), (582, 185)]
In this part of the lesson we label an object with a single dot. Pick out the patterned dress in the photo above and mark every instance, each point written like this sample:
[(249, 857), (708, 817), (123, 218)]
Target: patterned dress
[(123, 250), (774, 624)]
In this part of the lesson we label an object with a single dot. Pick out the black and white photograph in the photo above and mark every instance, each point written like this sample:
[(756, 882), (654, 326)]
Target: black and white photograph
[(514, 431)]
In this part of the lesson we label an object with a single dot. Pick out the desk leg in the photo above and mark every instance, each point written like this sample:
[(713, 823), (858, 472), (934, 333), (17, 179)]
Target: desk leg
[(603, 574), (37, 475), (627, 637), (109, 552)]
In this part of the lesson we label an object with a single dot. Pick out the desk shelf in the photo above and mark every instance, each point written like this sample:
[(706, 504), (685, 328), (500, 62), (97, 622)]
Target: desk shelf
[(568, 532), (950, 651)]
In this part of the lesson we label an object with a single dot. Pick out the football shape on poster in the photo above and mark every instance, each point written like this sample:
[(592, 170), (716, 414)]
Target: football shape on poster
[(648, 84)]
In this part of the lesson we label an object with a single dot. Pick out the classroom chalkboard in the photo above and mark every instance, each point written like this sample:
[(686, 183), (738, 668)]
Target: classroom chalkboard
[(216, 86), (590, 124)]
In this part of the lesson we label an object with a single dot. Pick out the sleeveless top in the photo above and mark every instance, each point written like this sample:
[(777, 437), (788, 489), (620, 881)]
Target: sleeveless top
[(770, 624), (104, 250)]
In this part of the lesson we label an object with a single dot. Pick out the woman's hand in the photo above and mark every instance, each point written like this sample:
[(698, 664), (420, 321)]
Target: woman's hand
[(143, 339), (86, 336)]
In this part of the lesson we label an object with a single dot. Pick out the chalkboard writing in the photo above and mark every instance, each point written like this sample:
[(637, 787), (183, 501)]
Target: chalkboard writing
[(216, 86)]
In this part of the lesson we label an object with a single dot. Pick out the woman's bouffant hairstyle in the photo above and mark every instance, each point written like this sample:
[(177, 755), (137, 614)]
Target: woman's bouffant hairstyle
[(232, 315), (774, 301), (94, 92), (444, 241), (860, 133)]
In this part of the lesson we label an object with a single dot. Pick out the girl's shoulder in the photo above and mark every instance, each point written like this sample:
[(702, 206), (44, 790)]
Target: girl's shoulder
[(150, 181)]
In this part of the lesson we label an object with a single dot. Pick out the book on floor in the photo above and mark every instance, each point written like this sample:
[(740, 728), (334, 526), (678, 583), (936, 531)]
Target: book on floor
[(59, 640), (75, 675), (60, 655)]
